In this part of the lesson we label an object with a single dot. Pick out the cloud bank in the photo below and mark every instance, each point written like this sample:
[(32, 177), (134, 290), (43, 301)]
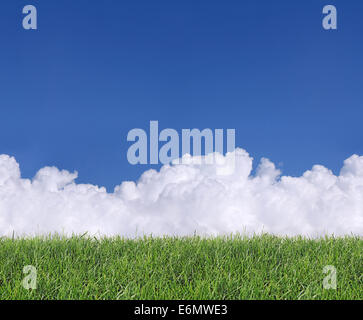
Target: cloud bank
[(184, 199)]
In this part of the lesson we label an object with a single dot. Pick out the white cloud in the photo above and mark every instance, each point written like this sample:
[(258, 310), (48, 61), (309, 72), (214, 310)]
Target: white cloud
[(184, 199)]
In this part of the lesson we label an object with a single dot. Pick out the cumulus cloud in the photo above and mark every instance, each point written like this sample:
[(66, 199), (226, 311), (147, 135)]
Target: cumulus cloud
[(207, 199)]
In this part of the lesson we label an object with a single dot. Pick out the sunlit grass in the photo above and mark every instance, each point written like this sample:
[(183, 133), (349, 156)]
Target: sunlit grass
[(261, 267)]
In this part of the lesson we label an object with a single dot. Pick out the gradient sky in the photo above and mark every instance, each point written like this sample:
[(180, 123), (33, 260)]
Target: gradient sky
[(71, 90)]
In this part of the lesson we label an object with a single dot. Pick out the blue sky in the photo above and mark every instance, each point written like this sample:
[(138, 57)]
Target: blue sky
[(71, 90)]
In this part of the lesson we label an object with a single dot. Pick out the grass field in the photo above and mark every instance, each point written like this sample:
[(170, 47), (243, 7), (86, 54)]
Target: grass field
[(261, 267)]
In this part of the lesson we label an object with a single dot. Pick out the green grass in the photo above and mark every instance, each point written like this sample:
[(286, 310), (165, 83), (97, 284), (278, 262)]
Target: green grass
[(261, 267)]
